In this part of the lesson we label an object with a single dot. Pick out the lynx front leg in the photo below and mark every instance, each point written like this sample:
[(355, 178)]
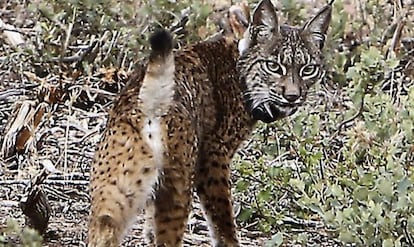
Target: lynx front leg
[(122, 177), (213, 188)]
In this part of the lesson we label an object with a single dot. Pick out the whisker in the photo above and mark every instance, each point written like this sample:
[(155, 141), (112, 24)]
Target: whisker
[(257, 91), (258, 102), (267, 107), (257, 97)]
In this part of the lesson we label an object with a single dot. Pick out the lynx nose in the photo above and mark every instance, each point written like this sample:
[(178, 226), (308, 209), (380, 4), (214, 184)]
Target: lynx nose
[(291, 89), (292, 95)]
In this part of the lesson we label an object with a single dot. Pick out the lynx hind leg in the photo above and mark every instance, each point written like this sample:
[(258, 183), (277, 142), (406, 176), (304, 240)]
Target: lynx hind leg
[(149, 226), (122, 177), (212, 183), (173, 197), (167, 214)]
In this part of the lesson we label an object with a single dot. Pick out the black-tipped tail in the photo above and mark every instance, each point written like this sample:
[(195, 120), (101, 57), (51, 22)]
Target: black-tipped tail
[(161, 43), (157, 89)]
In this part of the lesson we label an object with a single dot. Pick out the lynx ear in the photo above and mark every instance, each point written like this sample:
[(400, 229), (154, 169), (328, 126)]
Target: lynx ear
[(318, 25), (263, 26), (265, 14)]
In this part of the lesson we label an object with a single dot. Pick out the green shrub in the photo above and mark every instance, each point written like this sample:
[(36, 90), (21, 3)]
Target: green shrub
[(13, 234), (344, 166)]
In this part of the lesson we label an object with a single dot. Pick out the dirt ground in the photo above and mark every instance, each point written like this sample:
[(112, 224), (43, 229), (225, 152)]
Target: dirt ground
[(70, 207)]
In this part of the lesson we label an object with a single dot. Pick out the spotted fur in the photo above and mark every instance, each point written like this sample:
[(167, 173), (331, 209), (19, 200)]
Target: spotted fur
[(182, 116)]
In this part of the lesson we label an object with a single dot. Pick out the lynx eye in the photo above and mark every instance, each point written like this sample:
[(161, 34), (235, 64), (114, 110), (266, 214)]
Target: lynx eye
[(309, 71), (275, 67)]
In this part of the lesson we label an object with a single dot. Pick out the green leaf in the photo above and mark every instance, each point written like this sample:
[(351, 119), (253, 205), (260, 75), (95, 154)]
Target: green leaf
[(337, 191), (264, 195), (402, 203), (346, 236), (393, 63), (298, 184), (242, 185), (361, 194), (245, 214), (277, 240), (403, 186), (385, 187), (352, 73), (371, 57), (329, 217), (388, 243), (375, 209)]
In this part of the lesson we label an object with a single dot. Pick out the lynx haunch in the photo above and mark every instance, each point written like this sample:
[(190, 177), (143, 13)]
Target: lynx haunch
[(178, 122)]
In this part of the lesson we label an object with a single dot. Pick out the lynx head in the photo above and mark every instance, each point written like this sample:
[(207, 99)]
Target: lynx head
[(279, 63)]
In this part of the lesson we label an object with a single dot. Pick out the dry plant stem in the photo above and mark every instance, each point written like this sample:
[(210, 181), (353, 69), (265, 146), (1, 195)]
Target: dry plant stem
[(68, 32), (360, 110), (280, 157), (400, 20), (361, 5), (47, 181), (396, 38), (322, 170), (68, 124), (302, 223), (114, 40)]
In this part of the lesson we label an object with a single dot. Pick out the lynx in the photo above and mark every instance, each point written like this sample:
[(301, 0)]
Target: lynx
[(178, 122)]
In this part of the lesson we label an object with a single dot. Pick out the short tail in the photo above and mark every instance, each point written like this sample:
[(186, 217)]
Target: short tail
[(158, 86), (161, 44)]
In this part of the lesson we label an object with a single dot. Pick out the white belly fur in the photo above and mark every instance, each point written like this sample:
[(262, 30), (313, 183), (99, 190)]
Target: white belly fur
[(152, 135)]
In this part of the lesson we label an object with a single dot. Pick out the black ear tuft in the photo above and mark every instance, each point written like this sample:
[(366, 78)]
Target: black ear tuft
[(161, 43)]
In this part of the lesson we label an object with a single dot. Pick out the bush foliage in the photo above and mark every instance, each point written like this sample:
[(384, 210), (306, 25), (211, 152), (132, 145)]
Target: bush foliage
[(27, 237), (348, 166)]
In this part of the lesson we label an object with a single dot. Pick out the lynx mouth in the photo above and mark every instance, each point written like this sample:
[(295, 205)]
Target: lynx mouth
[(269, 112)]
